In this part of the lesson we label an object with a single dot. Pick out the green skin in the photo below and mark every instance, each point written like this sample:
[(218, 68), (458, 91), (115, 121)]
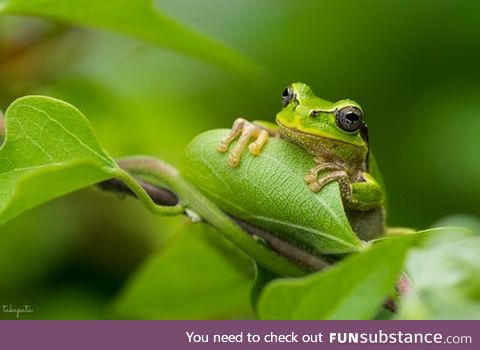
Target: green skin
[(313, 124)]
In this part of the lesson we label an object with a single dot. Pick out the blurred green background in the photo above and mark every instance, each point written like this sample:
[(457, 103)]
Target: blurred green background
[(414, 66)]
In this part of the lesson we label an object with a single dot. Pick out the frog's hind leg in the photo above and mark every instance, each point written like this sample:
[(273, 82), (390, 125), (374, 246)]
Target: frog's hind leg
[(246, 130)]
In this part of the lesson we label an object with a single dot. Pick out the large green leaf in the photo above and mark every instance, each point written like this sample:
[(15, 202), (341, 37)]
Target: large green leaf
[(269, 192), (353, 289), (139, 19), (197, 276), (49, 150)]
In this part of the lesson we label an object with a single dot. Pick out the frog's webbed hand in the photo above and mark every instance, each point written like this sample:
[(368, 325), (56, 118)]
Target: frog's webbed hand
[(244, 131), (312, 175), (362, 196)]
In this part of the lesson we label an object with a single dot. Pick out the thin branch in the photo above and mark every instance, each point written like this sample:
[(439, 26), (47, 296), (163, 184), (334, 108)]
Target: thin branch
[(160, 196)]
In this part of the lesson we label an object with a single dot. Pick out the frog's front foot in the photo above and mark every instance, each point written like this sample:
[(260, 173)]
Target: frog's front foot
[(338, 175), (316, 183), (363, 195), (244, 130)]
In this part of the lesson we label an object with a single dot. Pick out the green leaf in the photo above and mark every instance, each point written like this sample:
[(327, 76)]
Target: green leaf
[(444, 276), (197, 276), (269, 192), (49, 150), (353, 289), (468, 222), (139, 19)]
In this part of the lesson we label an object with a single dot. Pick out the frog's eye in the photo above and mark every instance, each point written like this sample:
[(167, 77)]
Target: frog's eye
[(349, 118), (287, 95)]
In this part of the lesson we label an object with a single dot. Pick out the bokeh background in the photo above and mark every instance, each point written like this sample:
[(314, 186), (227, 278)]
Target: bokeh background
[(414, 66)]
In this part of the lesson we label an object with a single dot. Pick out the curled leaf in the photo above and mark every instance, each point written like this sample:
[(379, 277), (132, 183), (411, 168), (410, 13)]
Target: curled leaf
[(269, 191)]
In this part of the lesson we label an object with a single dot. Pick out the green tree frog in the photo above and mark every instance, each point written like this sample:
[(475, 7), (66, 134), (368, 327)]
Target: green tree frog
[(336, 136)]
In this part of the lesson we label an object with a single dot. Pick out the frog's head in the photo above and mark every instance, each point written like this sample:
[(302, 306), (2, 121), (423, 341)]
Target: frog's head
[(314, 122)]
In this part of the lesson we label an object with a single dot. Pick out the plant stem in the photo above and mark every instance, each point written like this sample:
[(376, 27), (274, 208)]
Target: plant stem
[(140, 191), (194, 200), (159, 196)]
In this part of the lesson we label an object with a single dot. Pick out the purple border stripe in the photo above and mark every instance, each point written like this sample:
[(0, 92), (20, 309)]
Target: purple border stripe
[(119, 335)]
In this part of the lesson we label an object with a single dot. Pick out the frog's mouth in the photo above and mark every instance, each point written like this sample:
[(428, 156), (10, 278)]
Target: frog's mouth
[(293, 130)]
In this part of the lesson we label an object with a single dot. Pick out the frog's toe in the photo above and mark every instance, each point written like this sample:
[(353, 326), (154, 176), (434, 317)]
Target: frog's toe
[(233, 161), (222, 147), (257, 146), (310, 178), (237, 129), (314, 186), (255, 149)]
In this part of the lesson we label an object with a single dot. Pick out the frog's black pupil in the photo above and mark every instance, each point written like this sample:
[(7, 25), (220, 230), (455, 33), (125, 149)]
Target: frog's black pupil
[(353, 117), (285, 92)]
